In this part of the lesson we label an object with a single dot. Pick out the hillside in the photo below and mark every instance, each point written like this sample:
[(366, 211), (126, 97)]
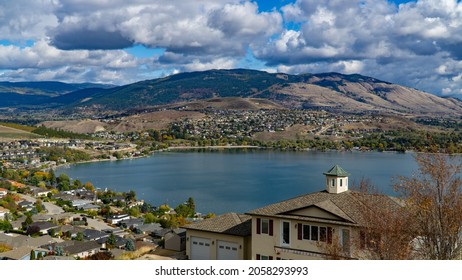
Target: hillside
[(233, 89), (14, 94), (329, 91)]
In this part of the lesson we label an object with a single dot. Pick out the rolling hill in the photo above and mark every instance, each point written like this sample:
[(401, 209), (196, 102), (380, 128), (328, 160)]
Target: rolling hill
[(327, 91)]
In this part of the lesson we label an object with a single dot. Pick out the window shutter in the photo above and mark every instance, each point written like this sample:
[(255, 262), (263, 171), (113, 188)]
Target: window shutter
[(329, 235), (300, 231), (271, 227), (362, 240), (258, 256), (258, 225)]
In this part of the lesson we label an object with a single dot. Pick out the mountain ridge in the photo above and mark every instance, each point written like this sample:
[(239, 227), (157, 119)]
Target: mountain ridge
[(349, 93)]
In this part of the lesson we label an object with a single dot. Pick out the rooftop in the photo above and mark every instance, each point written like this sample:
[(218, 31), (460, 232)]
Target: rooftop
[(337, 171), (346, 208), (229, 223)]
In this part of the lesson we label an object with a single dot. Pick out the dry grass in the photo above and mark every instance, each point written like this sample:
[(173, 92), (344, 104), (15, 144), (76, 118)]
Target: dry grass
[(136, 254), (12, 133)]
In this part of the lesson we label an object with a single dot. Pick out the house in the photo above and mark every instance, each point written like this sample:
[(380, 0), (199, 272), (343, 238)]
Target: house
[(3, 213), (26, 205), (90, 207), (132, 223), (38, 192), (22, 253), (303, 227), (175, 240), (3, 192), (82, 249), (115, 219), (147, 228), (79, 203), (93, 234), (17, 241), (43, 227), (226, 237)]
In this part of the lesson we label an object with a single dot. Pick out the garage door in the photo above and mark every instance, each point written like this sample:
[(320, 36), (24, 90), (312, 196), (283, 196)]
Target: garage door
[(200, 248), (227, 250)]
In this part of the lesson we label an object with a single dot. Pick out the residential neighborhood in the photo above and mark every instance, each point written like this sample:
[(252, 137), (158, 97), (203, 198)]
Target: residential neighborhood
[(76, 224)]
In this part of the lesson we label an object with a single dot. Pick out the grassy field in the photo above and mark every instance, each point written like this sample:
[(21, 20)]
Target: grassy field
[(13, 133)]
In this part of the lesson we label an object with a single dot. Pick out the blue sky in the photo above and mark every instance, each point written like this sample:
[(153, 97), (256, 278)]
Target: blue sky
[(414, 43)]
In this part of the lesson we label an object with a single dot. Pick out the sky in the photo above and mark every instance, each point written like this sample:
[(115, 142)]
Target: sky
[(412, 43)]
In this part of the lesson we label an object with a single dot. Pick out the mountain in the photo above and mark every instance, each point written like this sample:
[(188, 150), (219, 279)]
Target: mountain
[(39, 93), (327, 91)]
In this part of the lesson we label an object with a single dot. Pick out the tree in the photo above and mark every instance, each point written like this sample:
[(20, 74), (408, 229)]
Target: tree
[(32, 255), (28, 221), (149, 218), (130, 196), (101, 256), (190, 203), (59, 251), (79, 236), (5, 225), (387, 229), (434, 200), (130, 245), (38, 205), (111, 240)]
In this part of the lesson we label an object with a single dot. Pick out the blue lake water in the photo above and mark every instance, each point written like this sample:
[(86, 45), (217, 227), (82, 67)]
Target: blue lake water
[(237, 180)]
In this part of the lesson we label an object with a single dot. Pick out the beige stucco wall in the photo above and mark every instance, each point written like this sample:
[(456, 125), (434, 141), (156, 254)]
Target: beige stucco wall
[(264, 245), (243, 249)]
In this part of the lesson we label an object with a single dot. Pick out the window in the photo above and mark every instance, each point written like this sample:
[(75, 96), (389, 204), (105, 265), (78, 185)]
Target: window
[(333, 182), (286, 233), (322, 234), (314, 233), (265, 226), (306, 232), (341, 182)]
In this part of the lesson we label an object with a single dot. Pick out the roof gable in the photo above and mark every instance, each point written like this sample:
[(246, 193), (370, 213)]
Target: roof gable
[(322, 210)]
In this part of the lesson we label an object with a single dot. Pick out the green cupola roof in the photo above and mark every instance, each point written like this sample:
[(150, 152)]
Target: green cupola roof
[(337, 171)]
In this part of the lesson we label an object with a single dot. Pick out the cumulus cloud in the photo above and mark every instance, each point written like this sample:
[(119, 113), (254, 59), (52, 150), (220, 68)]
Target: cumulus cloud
[(418, 44), (44, 62)]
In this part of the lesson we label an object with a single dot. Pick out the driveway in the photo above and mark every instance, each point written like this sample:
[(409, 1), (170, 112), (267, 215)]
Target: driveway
[(97, 224), (52, 208)]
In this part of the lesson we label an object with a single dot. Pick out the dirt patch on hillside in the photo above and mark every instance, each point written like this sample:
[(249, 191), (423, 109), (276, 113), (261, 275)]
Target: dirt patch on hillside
[(77, 126)]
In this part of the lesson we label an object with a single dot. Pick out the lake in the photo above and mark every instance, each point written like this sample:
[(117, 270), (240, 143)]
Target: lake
[(237, 180)]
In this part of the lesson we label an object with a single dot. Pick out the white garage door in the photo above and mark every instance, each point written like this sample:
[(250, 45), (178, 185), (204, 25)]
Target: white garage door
[(227, 250), (200, 248)]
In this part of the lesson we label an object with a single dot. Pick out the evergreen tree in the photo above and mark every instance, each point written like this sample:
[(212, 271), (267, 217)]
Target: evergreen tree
[(130, 245), (32, 255)]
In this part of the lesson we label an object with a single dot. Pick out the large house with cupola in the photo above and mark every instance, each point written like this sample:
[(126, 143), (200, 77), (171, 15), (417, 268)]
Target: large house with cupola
[(301, 228)]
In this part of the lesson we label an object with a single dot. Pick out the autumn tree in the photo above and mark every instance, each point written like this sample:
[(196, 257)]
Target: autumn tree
[(434, 199), (387, 228)]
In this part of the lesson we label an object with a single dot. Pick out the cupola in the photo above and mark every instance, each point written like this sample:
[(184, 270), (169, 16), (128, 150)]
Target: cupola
[(336, 180)]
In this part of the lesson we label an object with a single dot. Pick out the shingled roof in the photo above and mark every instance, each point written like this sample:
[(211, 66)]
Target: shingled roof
[(229, 223), (337, 171), (347, 206)]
